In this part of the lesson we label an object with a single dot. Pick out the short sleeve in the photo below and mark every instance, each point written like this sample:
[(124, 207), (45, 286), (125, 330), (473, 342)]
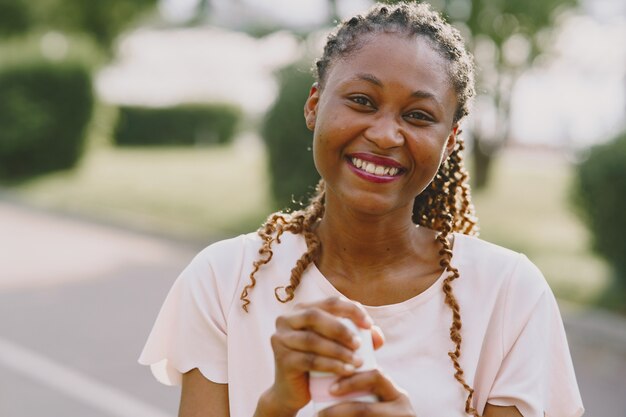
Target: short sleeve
[(536, 374), (191, 328)]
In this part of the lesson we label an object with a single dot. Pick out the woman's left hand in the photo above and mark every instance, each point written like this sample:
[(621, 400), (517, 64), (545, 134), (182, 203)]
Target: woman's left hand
[(393, 401)]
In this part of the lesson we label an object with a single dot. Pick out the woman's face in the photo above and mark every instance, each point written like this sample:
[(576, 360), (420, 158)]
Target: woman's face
[(382, 123)]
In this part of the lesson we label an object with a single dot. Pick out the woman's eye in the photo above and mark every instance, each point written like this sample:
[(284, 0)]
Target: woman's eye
[(418, 115), (363, 101)]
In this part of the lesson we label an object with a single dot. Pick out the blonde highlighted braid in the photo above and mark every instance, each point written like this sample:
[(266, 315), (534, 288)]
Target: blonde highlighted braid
[(445, 206), (299, 222)]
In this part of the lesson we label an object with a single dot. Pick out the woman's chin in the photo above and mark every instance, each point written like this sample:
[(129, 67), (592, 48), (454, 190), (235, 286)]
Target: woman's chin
[(376, 206)]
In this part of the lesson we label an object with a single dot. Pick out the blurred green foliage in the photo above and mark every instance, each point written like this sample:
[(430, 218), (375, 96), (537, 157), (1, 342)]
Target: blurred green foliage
[(45, 109), (180, 125), (102, 20), (288, 140), (51, 46), (600, 193), (499, 20), (15, 17), (45, 77)]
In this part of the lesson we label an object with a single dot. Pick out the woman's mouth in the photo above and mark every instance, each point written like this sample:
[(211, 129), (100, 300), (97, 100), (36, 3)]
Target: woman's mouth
[(375, 168), (372, 168)]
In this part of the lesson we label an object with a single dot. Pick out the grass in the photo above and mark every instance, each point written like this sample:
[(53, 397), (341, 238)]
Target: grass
[(190, 193), (208, 193)]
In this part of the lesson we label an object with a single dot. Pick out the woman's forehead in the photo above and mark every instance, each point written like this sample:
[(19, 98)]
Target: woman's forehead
[(394, 59)]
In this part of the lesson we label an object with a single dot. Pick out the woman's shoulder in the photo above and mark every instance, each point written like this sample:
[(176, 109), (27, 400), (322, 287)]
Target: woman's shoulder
[(229, 244), (493, 263), (235, 256), (248, 244), (221, 261), (482, 249)]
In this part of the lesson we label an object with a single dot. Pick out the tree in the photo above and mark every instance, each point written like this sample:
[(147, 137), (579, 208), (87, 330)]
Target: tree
[(15, 17), (333, 10), (201, 13), (506, 37), (47, 103), (288, 140), (516, 29), (103, 20)]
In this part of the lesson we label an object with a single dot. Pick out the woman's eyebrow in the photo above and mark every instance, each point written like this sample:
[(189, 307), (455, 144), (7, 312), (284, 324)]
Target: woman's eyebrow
[(425, 95), (369, 78), (372, 79)]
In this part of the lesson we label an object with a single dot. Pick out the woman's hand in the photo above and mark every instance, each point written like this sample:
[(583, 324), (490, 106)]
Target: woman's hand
[(312, 338), (393, 402)]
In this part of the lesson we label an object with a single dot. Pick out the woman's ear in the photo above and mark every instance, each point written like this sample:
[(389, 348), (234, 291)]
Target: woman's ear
[(310, 106), (451, 141)]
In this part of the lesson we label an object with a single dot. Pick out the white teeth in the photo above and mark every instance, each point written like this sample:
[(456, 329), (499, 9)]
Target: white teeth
[(371, 168)]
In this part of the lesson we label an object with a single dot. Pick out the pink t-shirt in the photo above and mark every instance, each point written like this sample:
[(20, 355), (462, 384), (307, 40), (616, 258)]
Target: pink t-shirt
[(514, 349)]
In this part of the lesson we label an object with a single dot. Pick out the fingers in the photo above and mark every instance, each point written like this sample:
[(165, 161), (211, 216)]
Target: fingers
[(309, 341), (378, 338), (306, 362), (313, 338), (354, 409), (393, 401), (321, 322), (364, 409), (349, 409), (373, 381), (343, 307)]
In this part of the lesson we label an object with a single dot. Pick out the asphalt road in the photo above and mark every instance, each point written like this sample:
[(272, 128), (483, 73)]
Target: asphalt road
[(77, 300)]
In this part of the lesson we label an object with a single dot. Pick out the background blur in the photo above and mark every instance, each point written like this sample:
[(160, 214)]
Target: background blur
[(132, 134)]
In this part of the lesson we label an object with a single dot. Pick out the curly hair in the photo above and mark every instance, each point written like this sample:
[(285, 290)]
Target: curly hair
[(444, 206), (411, 19)]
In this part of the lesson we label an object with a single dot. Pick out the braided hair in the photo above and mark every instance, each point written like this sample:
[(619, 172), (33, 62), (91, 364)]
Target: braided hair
[(444, 206)]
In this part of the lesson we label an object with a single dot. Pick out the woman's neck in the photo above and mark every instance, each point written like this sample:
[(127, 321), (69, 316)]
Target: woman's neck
[(358, 245)]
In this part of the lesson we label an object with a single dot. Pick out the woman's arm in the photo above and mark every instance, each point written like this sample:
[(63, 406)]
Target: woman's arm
[(202, 398), (497, 411)]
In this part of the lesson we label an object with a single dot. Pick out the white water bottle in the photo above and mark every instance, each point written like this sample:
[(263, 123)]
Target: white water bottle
[(320, 382)]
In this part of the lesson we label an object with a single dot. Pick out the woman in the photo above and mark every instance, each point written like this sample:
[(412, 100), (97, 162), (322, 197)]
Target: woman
[(463, 327)]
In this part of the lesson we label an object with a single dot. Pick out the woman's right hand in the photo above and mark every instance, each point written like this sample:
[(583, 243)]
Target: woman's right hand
[(312, 338)]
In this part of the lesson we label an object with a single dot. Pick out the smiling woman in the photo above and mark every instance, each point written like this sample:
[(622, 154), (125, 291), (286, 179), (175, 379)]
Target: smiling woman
[(462, 327), (400, 115)]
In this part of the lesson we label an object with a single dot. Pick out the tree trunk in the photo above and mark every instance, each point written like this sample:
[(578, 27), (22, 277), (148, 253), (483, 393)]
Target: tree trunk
[(333, 11), (201, 14), (483, 156), (485, 151)]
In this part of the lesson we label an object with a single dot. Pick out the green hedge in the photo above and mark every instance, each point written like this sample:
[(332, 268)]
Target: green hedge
[(15, 17), (292, 171), (181, 125), (45, 108), (600, 193)]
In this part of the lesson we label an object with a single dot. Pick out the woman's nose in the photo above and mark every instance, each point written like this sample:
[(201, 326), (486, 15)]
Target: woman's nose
[(385, 132)]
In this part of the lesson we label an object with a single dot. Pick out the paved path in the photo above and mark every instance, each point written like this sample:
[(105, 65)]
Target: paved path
[(77, 300)]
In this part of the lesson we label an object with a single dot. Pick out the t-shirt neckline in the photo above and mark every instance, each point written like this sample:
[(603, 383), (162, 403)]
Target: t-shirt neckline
[(388, 309)]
